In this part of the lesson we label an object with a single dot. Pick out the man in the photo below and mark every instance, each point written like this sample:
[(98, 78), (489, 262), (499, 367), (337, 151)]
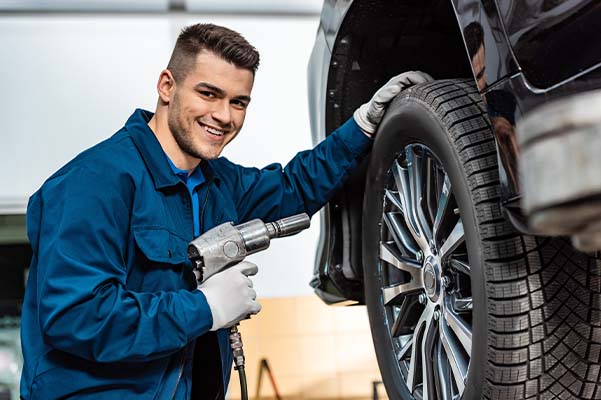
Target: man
[(112, 309), (474, 40), (500, 104)]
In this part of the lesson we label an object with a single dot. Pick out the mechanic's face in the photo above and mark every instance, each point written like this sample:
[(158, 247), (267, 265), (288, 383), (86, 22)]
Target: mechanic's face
[(479, 68), (207, 109)]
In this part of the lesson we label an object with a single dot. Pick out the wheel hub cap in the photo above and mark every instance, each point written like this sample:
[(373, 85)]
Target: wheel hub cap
[(432, 279)]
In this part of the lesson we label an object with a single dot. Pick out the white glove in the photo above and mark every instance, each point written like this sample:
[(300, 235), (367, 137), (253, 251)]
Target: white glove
[(369, 115), (230, 295)]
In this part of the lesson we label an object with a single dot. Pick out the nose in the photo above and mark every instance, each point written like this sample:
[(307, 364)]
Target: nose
[(222, 112)]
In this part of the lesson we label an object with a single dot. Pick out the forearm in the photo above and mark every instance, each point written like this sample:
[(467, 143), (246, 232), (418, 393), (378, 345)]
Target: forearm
[(118, 325), (309, 180)]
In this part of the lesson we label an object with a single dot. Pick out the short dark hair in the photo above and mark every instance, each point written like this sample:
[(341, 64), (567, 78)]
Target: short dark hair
[(474, 38), (223, 42)]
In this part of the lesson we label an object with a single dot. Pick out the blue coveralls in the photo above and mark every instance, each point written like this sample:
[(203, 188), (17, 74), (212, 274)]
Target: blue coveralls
[(111, 309)]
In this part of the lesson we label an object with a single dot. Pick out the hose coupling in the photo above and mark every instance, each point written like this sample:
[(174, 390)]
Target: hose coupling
[(236, 345)]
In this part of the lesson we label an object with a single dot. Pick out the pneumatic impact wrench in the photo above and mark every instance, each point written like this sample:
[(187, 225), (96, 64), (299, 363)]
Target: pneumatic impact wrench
[(228, 244)]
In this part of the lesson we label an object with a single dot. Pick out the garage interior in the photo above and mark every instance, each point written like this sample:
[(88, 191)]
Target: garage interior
[(306, 343)]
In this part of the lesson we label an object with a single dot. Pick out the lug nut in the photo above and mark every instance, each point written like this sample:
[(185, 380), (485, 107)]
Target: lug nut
[(436, 315), (445, 281), (420, 256), (422, 299)]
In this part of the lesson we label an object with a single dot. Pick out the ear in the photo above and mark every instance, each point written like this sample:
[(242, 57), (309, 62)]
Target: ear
[(166, 86)]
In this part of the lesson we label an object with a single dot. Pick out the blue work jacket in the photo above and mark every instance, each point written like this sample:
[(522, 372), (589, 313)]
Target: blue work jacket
[(110, 309)]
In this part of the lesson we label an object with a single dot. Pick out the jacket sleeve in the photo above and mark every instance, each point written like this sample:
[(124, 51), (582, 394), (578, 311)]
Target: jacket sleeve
[(78, 225), (306, 183)]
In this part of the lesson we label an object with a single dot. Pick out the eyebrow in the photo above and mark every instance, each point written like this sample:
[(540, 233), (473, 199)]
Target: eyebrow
[(219, 91)]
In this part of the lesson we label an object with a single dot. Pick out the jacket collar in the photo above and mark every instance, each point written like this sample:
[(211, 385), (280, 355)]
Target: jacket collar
[(150, 149), (209, 172), (152, 153)]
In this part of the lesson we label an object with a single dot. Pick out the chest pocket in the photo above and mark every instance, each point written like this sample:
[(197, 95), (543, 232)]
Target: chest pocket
[(164, 262), (160, 245)]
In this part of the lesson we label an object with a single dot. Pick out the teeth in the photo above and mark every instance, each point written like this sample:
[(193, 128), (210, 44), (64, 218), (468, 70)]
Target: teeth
[(214, 131)]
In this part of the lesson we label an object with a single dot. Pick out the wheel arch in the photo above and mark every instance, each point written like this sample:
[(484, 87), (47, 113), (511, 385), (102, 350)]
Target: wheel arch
[(376, 40)]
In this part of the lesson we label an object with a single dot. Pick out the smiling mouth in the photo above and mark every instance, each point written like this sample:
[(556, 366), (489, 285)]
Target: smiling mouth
[(212, 131)]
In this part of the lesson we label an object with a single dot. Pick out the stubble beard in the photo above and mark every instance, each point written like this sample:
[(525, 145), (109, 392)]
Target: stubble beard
[(183, 137)]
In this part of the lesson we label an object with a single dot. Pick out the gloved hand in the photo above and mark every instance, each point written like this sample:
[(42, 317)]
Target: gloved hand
[(230, 295), (369, 115)]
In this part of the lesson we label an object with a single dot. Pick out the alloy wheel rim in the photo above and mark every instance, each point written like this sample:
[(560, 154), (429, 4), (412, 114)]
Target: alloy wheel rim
[(426, 277)]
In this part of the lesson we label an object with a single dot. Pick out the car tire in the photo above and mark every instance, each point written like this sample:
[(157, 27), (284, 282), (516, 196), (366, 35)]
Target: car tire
[(467, 307)]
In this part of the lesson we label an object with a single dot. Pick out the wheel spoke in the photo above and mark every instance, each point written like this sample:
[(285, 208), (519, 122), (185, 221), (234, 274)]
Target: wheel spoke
[(404, 264), (460, 266), (412, 365), (462, 304), (456, 360), (456, 237), (400, 235), (431, 189), (395, 199), (401, 179), (402, 185), (402, 352), (416, 169), (393, 293), (409, 302), (416, 347), (428, 344), (443, 375), (443, 205), (461, 329)]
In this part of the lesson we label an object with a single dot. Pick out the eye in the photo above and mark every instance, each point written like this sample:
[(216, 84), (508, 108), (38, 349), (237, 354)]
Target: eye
[(239, 104), (207, 93)]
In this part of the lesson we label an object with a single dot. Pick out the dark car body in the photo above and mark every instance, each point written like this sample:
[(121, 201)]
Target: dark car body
[(530, 52)]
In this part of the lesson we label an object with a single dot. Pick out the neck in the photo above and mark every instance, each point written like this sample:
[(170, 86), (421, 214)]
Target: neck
[(160, 127)]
